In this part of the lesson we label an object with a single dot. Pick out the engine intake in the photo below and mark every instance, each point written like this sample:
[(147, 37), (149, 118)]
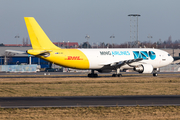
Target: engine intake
[(144, 68)]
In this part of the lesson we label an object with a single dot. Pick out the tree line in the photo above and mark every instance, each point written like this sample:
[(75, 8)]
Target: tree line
[(135, 44)]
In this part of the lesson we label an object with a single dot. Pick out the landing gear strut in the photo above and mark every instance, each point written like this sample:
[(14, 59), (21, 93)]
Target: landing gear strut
[(118, 74), (92, 74)]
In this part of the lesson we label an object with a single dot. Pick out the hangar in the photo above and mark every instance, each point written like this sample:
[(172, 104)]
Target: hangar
[(17, 59), (7, 58)]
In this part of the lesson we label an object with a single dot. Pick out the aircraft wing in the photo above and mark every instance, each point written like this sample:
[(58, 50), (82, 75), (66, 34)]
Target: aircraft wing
[(121, 63), (16, 51)]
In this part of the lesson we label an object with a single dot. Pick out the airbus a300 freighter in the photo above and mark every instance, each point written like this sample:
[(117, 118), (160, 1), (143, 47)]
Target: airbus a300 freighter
[(142, 60)]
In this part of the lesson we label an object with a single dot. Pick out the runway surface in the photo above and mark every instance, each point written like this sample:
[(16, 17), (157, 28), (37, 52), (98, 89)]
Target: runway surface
[(72, 74), (86, 101)]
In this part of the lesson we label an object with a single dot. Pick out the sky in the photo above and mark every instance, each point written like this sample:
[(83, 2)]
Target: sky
[(72, 20)]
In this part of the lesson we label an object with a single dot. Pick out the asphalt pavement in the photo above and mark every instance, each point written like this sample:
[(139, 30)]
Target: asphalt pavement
[(70, 74), (89, 101)]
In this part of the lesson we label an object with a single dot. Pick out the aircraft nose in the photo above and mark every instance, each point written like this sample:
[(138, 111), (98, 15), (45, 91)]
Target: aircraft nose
[(171, 59)]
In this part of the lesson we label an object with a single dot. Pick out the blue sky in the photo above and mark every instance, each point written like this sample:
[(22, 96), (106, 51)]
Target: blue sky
[(71, 20)]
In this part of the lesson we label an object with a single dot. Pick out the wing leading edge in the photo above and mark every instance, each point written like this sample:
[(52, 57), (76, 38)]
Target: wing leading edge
[(121, 63)]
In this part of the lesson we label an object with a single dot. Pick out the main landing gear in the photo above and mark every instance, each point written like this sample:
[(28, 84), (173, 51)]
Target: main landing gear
[(118, 74), (92, 74)]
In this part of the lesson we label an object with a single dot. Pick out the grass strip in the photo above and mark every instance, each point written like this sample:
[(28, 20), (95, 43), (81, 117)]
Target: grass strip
[(77, 86), (89, 113)]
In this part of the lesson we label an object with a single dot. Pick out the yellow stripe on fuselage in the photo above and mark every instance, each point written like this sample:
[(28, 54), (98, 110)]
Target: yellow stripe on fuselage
[(72, 58)]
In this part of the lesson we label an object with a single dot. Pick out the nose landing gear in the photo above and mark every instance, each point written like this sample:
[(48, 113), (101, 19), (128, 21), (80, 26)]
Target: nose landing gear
[(155, 74)]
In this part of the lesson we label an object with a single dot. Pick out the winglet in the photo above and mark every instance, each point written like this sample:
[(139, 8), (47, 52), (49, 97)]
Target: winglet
[(38, 37)]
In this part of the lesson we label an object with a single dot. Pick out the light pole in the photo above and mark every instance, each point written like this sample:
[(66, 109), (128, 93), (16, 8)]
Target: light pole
[(112, 36), (63, 44), (17, 36), (149, 36), (134, 28), (68, 45), (87, 37)]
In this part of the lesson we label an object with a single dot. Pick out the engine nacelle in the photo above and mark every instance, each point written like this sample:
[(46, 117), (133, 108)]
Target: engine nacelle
[(144, 68)]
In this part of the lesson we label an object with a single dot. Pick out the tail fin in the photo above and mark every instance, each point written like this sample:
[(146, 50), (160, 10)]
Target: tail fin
[(38, 37)]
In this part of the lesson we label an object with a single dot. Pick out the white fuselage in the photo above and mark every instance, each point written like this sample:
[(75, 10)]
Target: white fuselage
[(99, 57)]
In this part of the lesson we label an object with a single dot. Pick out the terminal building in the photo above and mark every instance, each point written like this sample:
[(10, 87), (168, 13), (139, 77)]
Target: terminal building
[(7, 58)]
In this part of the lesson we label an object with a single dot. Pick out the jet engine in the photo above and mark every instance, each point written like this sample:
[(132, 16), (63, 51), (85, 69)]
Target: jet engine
[(144, 68)]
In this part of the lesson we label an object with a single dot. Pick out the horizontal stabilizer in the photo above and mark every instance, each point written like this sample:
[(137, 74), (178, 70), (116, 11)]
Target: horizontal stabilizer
[(16, 51), (38, 52)]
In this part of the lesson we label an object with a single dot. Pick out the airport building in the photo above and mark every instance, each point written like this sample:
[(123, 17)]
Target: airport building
[(17, 59), (7, 58)]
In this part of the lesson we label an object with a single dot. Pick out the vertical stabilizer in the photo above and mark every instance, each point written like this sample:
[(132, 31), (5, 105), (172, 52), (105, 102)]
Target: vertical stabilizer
[(38, 37)]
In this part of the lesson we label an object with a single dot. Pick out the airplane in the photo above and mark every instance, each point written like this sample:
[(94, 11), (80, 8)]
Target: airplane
[(142, 60)]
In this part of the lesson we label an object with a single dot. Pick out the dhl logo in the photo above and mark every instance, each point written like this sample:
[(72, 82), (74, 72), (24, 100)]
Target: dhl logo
[(73, 58)]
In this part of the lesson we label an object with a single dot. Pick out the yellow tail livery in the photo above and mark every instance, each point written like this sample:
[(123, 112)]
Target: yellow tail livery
[(142, 60), (45, 49)]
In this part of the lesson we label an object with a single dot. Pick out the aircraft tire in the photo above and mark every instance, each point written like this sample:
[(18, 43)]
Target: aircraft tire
[(155, 74), (116, 75), (113, 75), (119, 75), (89, 75), (92, 75)]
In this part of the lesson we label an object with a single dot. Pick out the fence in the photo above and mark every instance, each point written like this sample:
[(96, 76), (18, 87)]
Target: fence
[(19, 68), (170, 68)]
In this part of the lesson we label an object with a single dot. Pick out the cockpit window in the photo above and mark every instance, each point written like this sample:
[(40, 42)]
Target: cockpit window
[(169, 55)]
